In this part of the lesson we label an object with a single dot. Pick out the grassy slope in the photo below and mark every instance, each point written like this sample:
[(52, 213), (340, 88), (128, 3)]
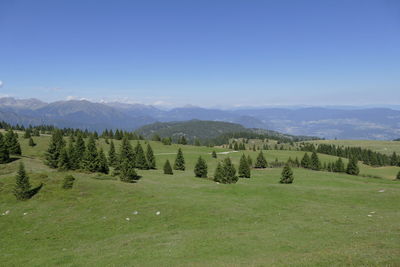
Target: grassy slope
[(321, 219)]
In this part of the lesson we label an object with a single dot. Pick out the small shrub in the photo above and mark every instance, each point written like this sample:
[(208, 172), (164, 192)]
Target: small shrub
[(68, 182)]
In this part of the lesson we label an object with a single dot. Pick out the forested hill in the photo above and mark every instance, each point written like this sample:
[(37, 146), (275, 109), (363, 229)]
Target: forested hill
[(217, 131)]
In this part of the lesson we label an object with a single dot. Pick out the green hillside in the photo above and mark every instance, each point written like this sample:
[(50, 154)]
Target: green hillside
[(322, 219)]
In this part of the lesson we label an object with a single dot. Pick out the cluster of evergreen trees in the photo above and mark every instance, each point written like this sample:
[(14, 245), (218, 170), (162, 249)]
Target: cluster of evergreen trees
[(314, 163), (9, 145), (367, 156)]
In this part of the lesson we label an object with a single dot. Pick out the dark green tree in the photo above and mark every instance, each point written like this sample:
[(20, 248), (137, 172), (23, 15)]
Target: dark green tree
[(63, 160), (11, 140), (31, 142), (102, 162), (167, 168), (398, 176), (91, 158), (315, 163), (4, 154), (244, 169), (80, 150), (352, 166), (287, 175), (151, 159), (218, 174), (179, 161), (229, 172), (200, 169), (260, 161), (53, 152), (112, 155), (339, 166), (140, 158), (214, 154), (22, 185), (126, 151), (128, 173), (306, 161), (394, 160), (27, 134)]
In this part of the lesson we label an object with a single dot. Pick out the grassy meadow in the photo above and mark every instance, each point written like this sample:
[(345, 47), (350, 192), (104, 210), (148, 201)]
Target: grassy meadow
[(322, 219)]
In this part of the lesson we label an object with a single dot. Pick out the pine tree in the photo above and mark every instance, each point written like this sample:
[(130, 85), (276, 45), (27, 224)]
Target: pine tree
[(91, 159), (200, 169), (306, 161), (31, 142), (128, 173), (56, 144), (102, 162), (339, 166), (260, 161), (315, 163), (179, 161), (4, 154), (126, 151), (151, 159), (63, 161), (214, 154), (352, 166), (11, 141), (27, 134), (244, 169), (287, 175), (22, 185), (229, 172), (167, 168), (140, 158), (112, 155), (394, 161), (398, 176), (73, 157), (249, 161), (80, 150), (218, 174)]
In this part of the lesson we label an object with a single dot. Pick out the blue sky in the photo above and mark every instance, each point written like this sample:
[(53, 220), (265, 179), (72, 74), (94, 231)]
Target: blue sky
[(207, 53)]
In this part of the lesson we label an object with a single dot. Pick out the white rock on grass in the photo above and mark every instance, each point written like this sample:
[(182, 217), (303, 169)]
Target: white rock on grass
[(369, 215), (135, 212), (158, 213), (381, 191), (128, 219), (25, 213)]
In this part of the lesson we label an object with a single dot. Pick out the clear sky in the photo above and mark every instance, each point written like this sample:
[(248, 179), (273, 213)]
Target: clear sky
[(207, 53)]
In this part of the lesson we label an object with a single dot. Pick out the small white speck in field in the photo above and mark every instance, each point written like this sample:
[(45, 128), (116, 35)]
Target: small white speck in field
[(6, 212), (369, 215), (381, 191), (372, 212), (158, 213), (25, 213), (135, 212), (128, 219)]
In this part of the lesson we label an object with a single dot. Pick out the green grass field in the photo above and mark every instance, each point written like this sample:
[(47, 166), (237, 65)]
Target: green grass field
[(321, 219)]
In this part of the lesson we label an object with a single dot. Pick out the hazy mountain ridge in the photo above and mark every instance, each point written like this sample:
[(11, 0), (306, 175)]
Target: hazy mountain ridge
[(368, 123)]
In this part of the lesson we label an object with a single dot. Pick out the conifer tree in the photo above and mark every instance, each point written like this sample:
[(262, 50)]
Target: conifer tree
[(315, 163), (140, 158), (218, 174), (80, 149), (249, 161), (352, 166), (394, 161), (167, 168), (214, 154), (260, 161), (102, 162), (179, 161), (53, 152), (296, 162), (126, 151), (229, 172), (22, 185), (74, 162), (339, 166), (235, 146), (287, 175), (31, 142), (63, 160), (151, 159), (128, 173), (11, 140), (112, 155), (27, 134), (91, 159), (306, 161), (244, 169), (200, 169), (4, 154), (398, 176)]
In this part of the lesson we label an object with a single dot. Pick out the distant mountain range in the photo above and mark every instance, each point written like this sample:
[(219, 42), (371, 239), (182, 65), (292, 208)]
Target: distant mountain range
[(366, 123)]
